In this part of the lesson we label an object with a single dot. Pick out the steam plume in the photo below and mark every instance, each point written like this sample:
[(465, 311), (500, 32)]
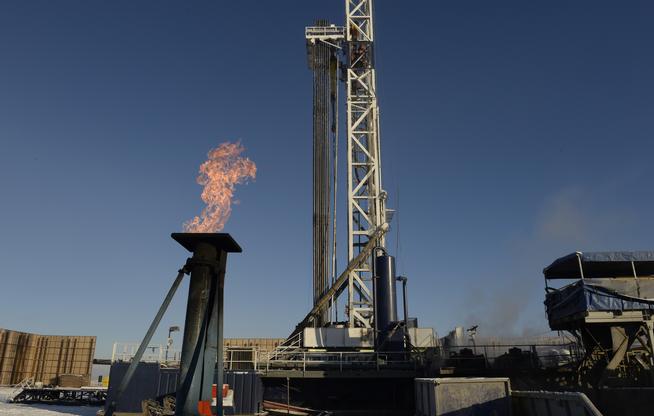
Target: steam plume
[(223, 170)]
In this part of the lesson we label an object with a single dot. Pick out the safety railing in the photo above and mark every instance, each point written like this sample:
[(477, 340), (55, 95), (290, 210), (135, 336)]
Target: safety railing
[(292, 344), (337, 361), (18, 388), (324, 32), (514, 356), (240, 358), (125, 351)]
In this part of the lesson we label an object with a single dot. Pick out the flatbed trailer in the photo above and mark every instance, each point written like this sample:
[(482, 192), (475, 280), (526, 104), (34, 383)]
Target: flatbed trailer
[(94, 396)]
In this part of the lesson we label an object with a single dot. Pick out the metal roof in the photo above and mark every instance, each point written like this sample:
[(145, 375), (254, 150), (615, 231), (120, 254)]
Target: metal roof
[(601, 264)]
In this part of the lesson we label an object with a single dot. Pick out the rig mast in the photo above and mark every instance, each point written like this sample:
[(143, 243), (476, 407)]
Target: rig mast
[(366, 199)]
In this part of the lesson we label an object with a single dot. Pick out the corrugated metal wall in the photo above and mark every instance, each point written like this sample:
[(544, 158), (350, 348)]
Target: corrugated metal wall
[(44, 357)]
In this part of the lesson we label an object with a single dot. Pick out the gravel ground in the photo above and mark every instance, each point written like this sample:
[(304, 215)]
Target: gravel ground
[(8, 409)]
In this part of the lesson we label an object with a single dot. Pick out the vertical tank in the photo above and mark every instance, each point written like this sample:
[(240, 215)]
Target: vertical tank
[(385, 297)]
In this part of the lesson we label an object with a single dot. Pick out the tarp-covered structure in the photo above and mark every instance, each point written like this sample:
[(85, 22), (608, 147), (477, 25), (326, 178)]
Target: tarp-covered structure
[(608, 307), (581, 297), (605, 281)]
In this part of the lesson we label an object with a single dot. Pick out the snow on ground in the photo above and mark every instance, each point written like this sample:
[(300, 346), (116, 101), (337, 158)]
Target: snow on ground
[(9, 409)]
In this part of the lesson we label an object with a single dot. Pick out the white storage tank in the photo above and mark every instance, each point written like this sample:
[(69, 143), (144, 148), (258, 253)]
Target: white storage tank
[(463, 396)]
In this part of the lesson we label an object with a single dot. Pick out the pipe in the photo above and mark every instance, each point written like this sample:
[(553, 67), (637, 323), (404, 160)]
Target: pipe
[(581, 267), (375, 327), (405, 305)]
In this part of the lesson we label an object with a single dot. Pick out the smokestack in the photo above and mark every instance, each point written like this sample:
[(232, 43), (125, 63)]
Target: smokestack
[(202, 354)]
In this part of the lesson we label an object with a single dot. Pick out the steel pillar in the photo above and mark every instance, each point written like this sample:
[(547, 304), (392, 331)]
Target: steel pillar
[(203, 336)]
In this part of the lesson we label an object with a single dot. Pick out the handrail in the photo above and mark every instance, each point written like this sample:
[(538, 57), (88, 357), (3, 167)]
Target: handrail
[(18, 388), (342, 359)]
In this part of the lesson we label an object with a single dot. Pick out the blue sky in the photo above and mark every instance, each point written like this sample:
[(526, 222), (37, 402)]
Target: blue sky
[(513, 132)]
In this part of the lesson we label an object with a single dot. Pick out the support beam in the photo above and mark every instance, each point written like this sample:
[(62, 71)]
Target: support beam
[(127, 378), (341, 282), (649, 324)]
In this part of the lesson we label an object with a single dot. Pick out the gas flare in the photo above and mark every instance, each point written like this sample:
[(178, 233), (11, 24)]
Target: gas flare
[(223, 170)]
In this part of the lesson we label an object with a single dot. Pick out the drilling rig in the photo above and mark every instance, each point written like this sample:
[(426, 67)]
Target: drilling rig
[(351, 343), (360, 299)]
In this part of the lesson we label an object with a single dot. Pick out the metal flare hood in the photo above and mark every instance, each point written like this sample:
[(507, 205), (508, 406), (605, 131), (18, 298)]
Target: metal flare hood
[(222, 241)]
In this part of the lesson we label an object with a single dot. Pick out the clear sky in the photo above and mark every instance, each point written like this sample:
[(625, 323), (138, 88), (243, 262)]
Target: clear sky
[(513, 132)]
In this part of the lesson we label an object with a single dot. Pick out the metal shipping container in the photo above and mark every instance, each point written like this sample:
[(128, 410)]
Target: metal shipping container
[(150, 381), (463, 396)]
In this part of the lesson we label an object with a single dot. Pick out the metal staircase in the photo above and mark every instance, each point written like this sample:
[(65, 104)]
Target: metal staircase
[(18, 388), (292, 344)]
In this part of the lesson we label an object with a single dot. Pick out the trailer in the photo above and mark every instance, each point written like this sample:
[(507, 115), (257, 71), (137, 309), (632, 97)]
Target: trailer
[(91, 396)]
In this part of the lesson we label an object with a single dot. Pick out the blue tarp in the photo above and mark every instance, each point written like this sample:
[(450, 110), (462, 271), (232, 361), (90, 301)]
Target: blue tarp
[(583, 297), (601, 264)]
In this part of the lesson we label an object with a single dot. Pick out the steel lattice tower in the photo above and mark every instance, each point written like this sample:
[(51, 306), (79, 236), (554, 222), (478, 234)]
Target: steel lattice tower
[(366, 199)]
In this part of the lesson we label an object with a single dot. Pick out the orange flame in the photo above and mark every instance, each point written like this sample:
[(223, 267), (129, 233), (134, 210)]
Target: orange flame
[(223, 170)]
